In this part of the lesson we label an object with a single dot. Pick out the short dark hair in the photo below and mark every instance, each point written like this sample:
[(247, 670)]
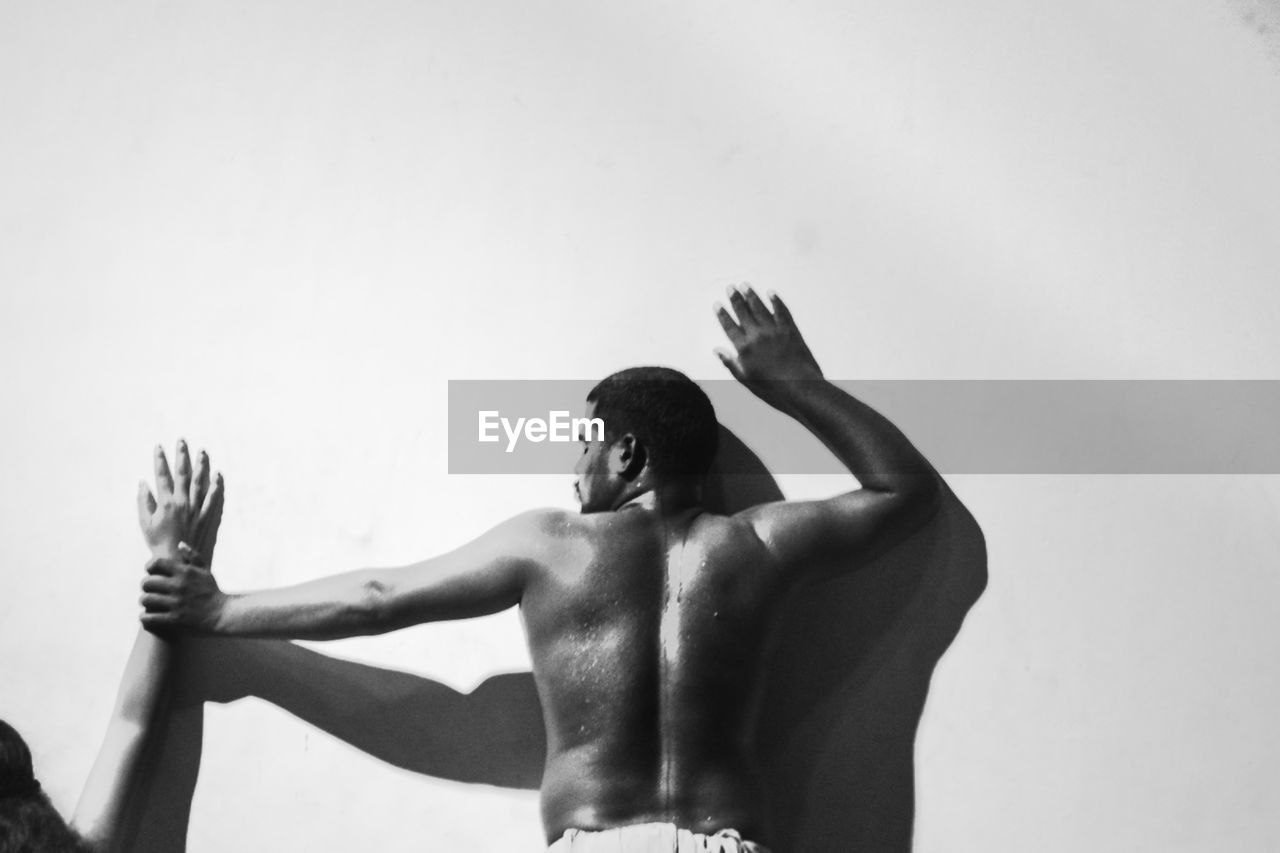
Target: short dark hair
[(28, 821), (666, 411)]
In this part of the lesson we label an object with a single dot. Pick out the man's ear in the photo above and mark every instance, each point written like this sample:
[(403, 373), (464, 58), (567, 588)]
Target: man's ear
[(628, 457)]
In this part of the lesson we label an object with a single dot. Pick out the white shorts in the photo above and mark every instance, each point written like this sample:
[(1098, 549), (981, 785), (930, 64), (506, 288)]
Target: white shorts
[(652, 838)]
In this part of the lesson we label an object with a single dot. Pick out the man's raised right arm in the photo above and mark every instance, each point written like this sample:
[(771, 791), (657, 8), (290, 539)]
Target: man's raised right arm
[(900, 489)]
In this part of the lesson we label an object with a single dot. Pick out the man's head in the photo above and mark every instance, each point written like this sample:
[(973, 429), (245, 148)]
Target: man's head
[(659, 429)]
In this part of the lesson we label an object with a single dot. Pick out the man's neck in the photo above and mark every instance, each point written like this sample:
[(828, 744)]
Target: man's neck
[(665, 498)]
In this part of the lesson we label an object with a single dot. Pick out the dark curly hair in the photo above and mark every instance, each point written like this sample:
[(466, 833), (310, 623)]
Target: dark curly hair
[(28, 821), (666, 411)]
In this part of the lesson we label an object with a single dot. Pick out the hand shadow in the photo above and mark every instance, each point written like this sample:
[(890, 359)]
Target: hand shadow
[(843, 693)]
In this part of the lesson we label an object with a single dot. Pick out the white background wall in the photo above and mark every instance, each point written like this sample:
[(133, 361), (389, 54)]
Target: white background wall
[(278, 229)]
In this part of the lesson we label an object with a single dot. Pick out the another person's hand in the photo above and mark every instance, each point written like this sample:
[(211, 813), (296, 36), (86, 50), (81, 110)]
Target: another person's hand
[(768, 349), (181, 593), (184, 508)]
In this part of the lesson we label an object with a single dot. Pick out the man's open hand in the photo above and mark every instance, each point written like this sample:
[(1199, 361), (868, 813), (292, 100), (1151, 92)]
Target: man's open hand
[(180, 593), (768, 349), (184, 508)]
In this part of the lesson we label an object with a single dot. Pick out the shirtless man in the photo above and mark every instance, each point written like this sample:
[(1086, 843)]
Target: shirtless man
[(646, 615)]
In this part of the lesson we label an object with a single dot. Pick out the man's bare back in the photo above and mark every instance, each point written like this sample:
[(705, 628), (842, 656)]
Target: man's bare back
[(646, 635), (647, 617)]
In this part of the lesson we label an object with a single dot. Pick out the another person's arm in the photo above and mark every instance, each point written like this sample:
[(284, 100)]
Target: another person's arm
[(900, 490), (483, 577), (184, 509)]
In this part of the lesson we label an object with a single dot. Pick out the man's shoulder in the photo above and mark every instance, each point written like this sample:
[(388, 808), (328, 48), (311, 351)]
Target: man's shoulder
[(544, 523), (558, 525), (548, 532), (735, 534)]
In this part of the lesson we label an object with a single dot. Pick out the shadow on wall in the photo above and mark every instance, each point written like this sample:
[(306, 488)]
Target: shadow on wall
[(845, 688), (1263, 17)]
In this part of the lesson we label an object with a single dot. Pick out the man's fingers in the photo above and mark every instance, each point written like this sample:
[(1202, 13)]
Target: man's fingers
[(731, 328), (157, 621), (780, 310), (146, 504), (161, 566), (192, 556), (159, 584), (746, 316), (164, 480), (730, 362), (761, 311), (200, 482), (153, 602)]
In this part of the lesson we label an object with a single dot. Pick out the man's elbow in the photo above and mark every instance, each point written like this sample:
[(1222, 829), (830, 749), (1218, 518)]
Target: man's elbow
[(373, 610), (918, 499)]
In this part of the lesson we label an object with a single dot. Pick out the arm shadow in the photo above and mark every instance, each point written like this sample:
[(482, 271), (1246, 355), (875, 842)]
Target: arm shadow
[(843, 693), (846, 680)]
